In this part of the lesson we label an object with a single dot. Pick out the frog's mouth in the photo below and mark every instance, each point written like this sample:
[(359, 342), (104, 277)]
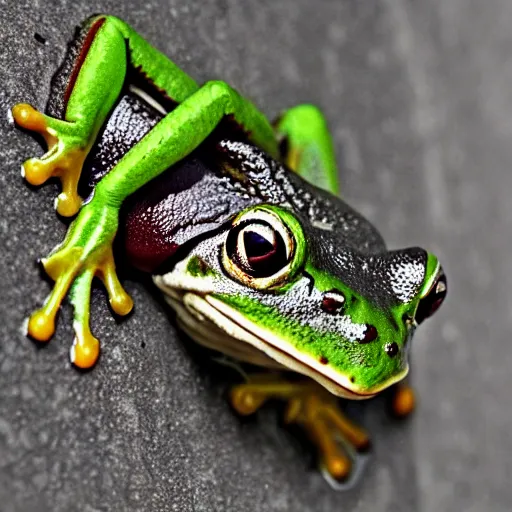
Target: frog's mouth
[(216, 325)]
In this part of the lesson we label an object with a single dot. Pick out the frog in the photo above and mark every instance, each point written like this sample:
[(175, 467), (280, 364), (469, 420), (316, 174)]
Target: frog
[(239, 222)]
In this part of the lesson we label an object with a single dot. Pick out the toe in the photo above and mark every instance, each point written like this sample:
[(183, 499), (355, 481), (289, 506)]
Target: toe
[(41, 325), (404, 401), (85, 351)]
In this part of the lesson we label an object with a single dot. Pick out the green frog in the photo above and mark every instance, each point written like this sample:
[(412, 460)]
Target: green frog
[(238, 221)]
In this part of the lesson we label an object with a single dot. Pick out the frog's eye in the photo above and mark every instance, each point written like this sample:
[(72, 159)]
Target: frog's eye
[(429, 304), (259, 249)]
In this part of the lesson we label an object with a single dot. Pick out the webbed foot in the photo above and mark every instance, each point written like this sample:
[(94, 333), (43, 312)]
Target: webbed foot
[(313, 408), (85, 253), (68, 146)]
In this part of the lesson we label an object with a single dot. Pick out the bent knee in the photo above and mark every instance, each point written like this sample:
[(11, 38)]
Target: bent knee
[(219, 89)]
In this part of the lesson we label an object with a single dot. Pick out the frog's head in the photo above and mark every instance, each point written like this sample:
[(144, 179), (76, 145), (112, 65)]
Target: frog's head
[(272, 280)]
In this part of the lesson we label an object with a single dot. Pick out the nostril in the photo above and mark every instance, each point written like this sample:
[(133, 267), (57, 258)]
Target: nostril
[(370, 334), (391, 349)]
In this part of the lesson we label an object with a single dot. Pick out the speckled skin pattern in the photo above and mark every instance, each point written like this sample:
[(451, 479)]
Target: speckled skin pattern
[(198, 196), (420, 109)]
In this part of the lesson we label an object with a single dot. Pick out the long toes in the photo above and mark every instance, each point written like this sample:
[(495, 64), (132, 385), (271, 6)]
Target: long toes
[(68, 168), (338, 465), (41, 325), (37, 171), (332, 456), (119, 299), (62, 267), (65, 164), (63, 262), (64, 159), (85, 350), (293, 410), (29, 118), (354, 434)]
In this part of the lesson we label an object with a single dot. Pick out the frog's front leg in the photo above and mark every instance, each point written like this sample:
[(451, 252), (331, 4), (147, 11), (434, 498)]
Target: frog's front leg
[(314, 409), (87, 249), (85, 253), (82, 95)]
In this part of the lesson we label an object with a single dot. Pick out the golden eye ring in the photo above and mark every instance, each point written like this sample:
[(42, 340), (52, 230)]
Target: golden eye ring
[(259, 249)]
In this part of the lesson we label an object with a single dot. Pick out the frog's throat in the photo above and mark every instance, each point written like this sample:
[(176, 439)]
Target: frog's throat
[(202, 316)]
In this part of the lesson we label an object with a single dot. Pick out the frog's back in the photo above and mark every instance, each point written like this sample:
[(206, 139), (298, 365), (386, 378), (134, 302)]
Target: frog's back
[(205, 189), (161, 215)]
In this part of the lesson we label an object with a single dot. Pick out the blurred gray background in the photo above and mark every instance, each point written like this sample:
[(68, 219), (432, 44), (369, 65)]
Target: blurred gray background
[(419, 98)]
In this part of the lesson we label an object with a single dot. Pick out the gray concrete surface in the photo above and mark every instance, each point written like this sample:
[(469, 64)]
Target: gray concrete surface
[(419, 97)]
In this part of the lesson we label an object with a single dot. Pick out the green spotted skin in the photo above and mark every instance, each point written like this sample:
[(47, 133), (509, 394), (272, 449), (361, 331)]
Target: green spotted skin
[(367, 365), (336, 299), (295, 312)]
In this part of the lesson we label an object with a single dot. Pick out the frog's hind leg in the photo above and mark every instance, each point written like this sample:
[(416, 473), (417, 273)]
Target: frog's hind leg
[(314, 409), (306, 146), (83, 93)]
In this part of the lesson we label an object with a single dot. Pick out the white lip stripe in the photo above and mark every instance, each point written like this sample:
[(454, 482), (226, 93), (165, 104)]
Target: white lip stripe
[(177, 284), (240, 333), (334, 382)]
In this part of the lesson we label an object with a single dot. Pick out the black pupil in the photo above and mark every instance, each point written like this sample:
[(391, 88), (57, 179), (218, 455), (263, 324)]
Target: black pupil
[(260, 256), (257, 245), (430, 304)]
